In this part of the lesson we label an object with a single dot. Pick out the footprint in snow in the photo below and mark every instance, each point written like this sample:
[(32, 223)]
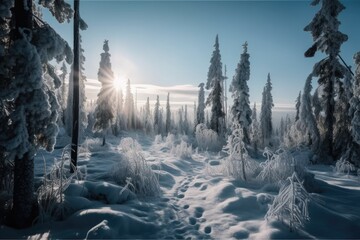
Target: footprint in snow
[(207, 229), (203, 187), (199, 212), (192, 220), (180, 195)]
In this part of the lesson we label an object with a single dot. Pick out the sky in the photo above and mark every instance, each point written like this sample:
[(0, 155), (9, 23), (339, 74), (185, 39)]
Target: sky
[(166, 46)]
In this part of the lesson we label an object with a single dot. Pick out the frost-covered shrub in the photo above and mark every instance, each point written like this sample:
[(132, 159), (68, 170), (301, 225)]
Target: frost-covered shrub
[(343, 166), (238, 164), (158, 139), (279, 166), (50, 195), (291, 204), (170, 140), (207, 139), (133, 171), (182, 150)]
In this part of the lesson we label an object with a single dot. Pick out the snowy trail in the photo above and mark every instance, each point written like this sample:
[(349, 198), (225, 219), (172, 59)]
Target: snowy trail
[(183, 216)]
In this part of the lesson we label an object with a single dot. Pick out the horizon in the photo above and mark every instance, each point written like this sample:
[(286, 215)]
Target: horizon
[(156, 47)]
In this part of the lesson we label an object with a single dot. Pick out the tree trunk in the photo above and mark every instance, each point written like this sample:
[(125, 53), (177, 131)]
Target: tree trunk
[(23, 193), (104, 140), (23, 196), (76, 99)]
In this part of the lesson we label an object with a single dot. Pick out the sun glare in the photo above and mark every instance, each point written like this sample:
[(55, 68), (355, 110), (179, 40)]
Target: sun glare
[(117, 84)]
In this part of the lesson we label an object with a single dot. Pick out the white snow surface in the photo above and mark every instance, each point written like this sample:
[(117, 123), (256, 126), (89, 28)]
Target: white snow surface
[(196, 200)]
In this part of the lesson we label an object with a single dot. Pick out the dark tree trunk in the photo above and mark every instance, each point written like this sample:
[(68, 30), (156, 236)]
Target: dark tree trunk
[(76, 99), (104, 140), (23, 196)]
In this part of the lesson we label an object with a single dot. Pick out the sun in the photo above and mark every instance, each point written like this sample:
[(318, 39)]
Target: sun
[(117, 84)]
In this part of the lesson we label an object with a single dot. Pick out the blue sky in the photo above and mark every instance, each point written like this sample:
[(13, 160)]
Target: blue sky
[(169, 43)]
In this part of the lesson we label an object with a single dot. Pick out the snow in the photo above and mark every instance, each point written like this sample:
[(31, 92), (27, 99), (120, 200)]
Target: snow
[(196, 200)]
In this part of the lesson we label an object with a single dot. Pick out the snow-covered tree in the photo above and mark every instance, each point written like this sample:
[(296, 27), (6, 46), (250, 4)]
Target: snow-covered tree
[(168, 115), (297, 106), (129, 108), (254, 130), (119, 118), (157, 116), (307, 126), (31, 106), (355, 102), (240, 110), (215, 98), (238, 163), (328, 39), (61, 94), (200, 114), (266, 128), (291, 204), (104, 112), (186, 121), (148, 121)]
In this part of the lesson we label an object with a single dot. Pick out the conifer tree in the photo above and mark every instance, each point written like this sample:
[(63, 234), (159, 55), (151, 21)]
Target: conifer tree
[(297, 107), (328, 39), (308, 126), (168, 115), (148, 121), (266, 128), (240, 110), (104, 112), (215, 98), (157, 119), (29, 102), (186, 121), (200, 114), (254, 129), (129, 107)]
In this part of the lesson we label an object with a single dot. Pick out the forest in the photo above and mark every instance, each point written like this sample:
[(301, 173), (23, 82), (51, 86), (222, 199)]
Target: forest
[(219, 169)]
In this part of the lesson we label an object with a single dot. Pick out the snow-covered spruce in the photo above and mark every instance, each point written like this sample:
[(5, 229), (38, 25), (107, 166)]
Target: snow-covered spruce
[(240, 109), (215, 98), (238, 164), (200, 113), (104, 110), (327, 38), (266, 128)]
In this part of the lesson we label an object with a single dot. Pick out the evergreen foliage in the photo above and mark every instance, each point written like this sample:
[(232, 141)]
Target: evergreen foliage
[(104, 112), (240, 110), (266, 128), (327, 39)]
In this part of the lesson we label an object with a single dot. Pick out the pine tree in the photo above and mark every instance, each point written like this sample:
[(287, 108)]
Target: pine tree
[(186, 121), (240, 110), (30, 104), (297, 106), (129, 107), (328, 39), (148, 121), (157, 116), (168, 115), (215, 98), (104, 112), (308, 126), (200, 114), (118, 112), (266, 128), (254, 130), (353, 153)]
